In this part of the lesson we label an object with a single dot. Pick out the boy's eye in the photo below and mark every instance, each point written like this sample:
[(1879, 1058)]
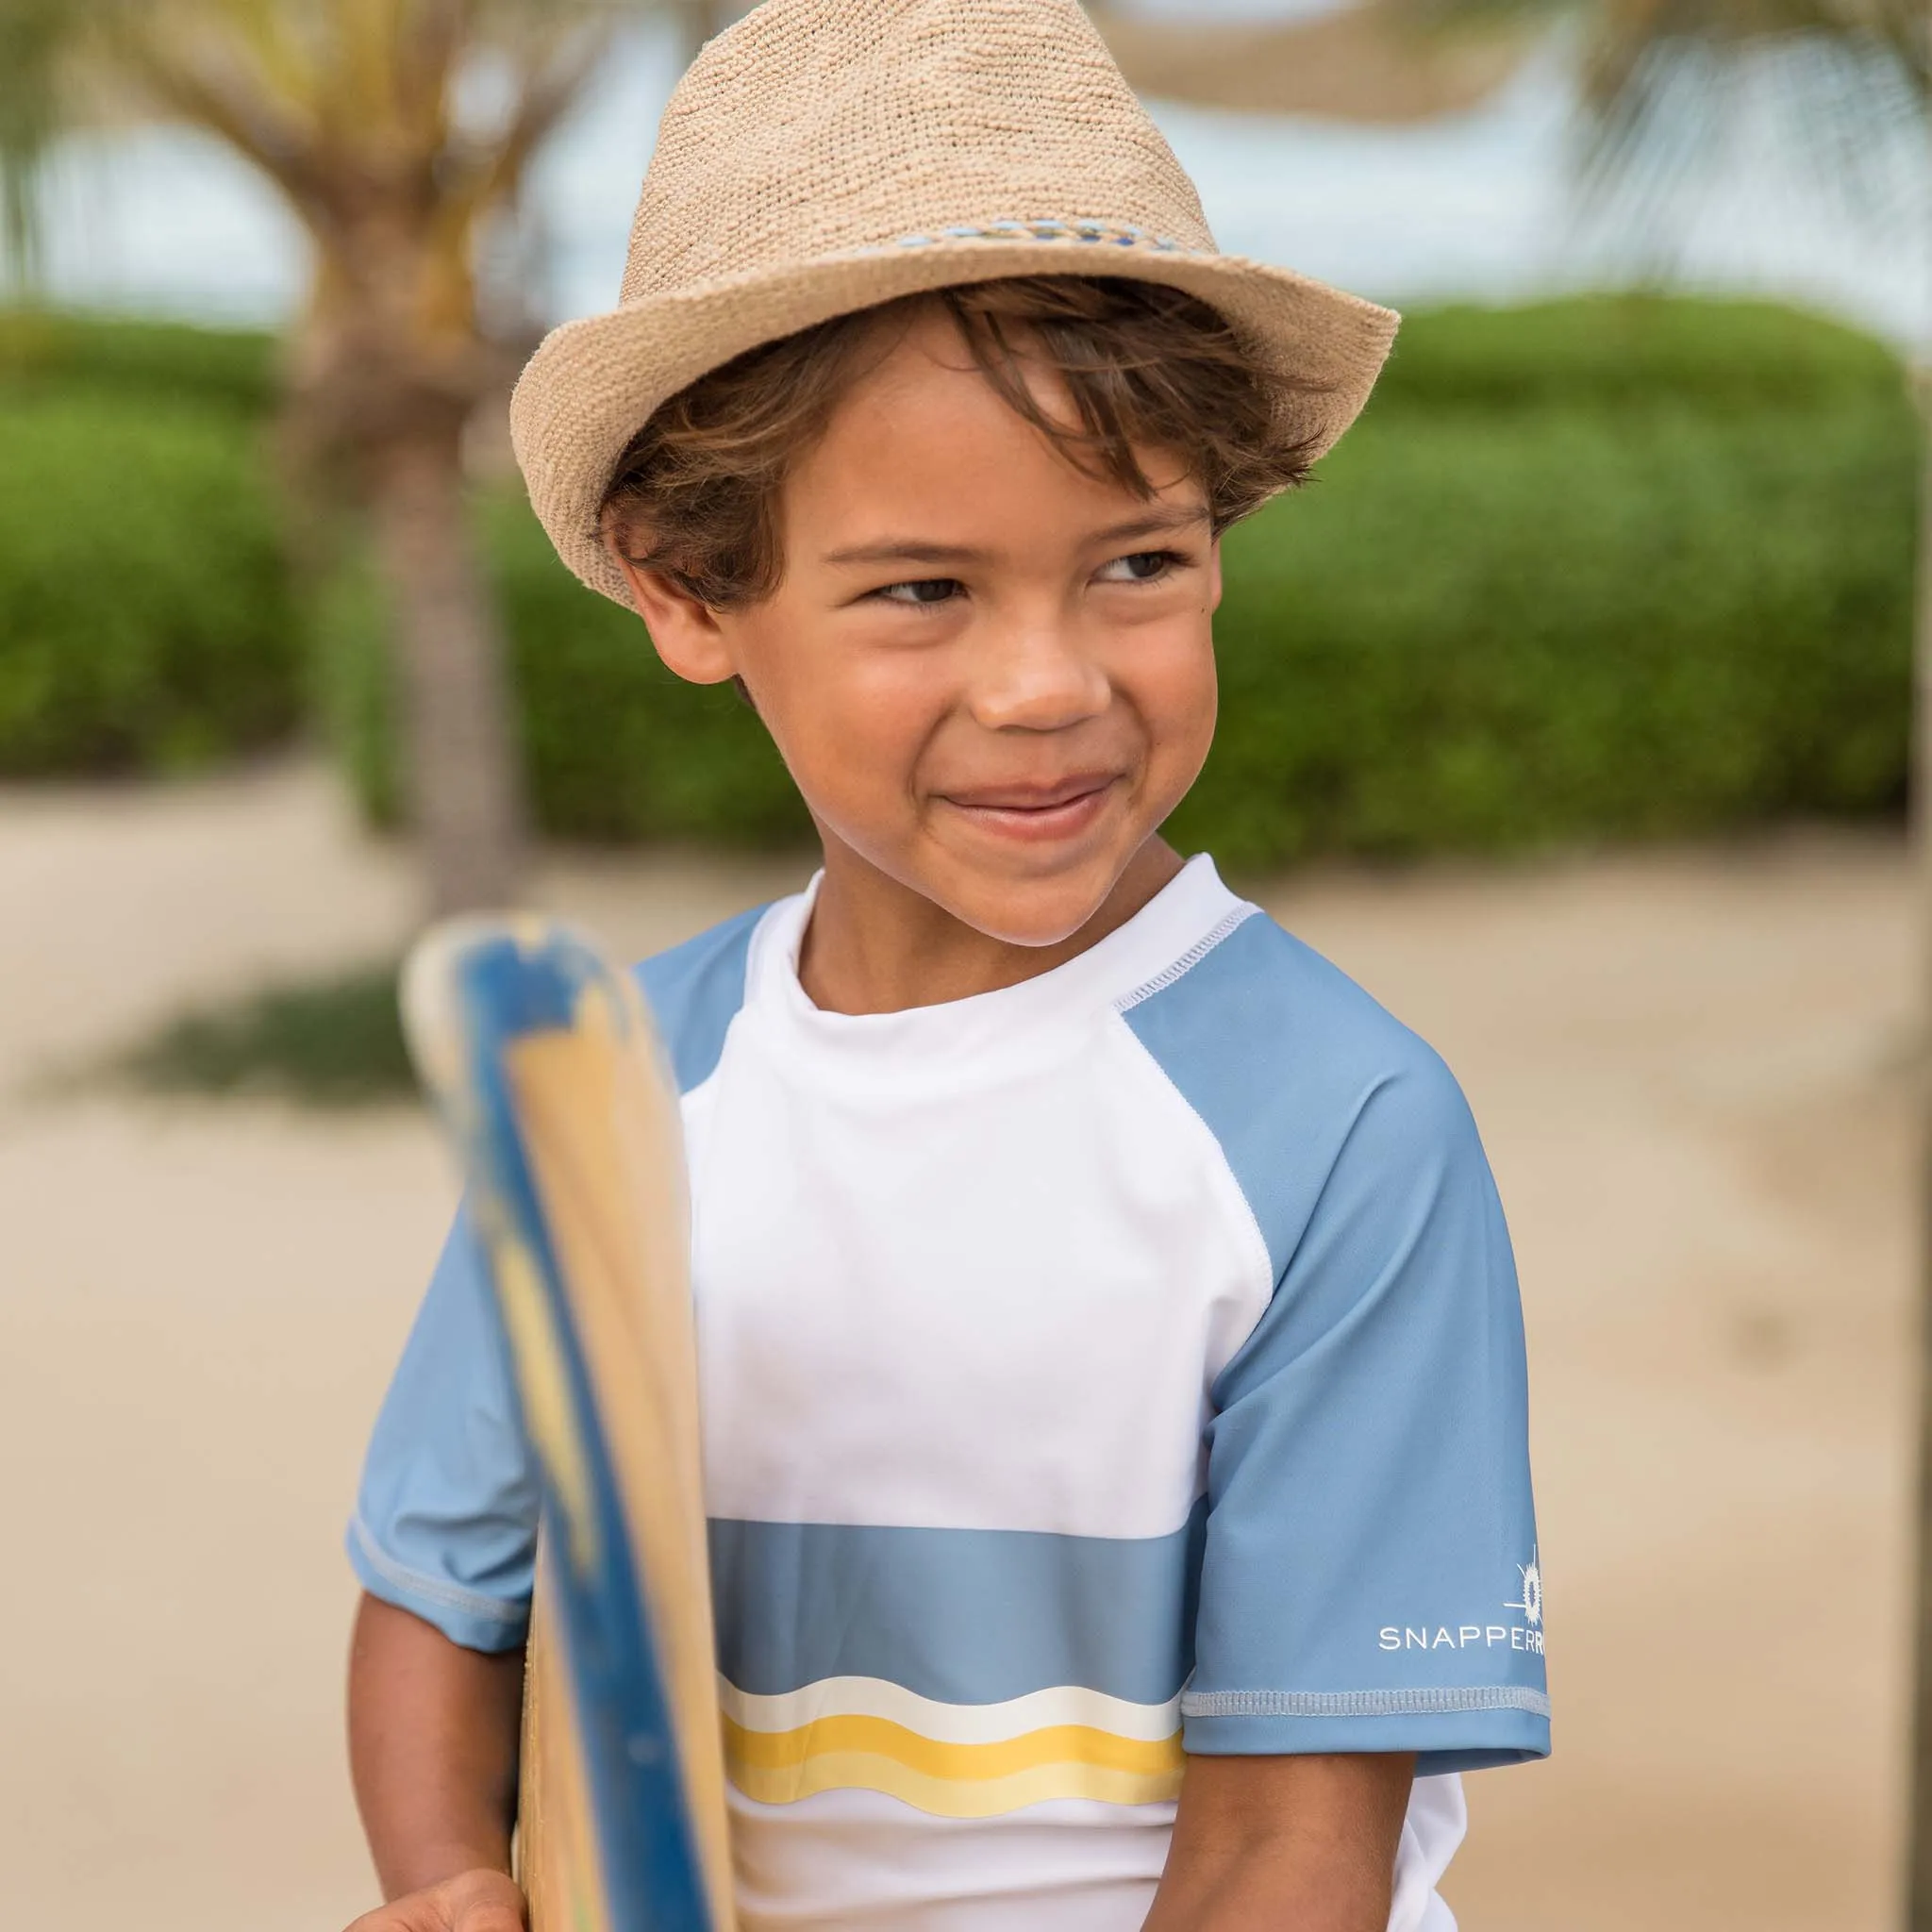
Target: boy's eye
[(922, 591), (1143, 567)]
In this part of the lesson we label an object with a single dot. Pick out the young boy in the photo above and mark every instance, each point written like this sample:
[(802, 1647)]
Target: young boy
[(1111, 1363)]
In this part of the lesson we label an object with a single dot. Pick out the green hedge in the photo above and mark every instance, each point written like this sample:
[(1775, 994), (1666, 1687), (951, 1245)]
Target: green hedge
[(146, 362), (147, 621), (618, 749), (1610, 568), (1565, 625), (1634, 351)]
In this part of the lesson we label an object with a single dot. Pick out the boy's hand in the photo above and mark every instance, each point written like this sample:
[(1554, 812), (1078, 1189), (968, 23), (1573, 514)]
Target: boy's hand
[(472, 1902)]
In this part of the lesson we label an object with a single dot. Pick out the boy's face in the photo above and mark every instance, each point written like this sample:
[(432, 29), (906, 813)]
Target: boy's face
[(991, 677)]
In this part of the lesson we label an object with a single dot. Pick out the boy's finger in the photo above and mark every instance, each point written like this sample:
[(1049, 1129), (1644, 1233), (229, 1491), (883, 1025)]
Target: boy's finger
[(481, 1902), (487, 1918)]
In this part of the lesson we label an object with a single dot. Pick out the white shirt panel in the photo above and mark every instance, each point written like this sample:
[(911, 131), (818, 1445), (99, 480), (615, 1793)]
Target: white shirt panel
[(1074, 1865), (1079, 1867), (1021, 1239)]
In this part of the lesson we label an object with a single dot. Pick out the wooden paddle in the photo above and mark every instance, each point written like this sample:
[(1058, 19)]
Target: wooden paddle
[(548, 1076)]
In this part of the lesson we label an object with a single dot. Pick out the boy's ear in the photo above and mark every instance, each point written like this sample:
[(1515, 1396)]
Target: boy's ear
[(684, 632)]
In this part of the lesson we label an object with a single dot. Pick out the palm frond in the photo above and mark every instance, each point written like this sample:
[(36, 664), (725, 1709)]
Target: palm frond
[(1362, 63), (1669, 85), (1665, 110)]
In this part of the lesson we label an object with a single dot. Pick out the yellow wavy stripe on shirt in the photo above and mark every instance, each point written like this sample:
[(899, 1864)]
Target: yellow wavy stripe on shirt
[(951, 1780)]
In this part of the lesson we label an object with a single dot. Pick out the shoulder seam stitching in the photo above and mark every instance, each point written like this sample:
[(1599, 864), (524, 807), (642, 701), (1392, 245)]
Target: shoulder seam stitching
[(1250, 1221), (1188, 960)]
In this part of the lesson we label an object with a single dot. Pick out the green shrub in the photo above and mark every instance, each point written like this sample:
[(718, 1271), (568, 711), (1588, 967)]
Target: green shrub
[(147, 621), (1616, 566), (664, 759), (617, 748), (1480, 633), (1634, 351), (145, 361), (1610, 568), (335, 1041)]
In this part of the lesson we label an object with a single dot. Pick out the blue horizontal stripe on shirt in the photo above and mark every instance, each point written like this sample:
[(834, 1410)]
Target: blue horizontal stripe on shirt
[(961, 1616)]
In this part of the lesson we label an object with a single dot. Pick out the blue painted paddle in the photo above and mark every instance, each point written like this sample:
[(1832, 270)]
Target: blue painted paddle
[(549, 1079)]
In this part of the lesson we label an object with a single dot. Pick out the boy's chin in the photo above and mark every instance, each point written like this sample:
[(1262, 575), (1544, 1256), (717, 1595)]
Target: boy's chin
[(1035, 912)]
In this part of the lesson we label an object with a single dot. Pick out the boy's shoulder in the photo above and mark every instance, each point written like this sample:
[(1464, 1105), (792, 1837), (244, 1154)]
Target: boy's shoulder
[(694, 991), (1293, 1067), (1257, 1002)]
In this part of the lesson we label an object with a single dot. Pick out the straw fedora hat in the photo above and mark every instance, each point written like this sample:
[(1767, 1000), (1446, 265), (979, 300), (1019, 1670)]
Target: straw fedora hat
[(822, 156)]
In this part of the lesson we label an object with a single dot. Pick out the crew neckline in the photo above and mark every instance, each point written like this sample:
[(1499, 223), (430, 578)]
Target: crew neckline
[(987, 1028)]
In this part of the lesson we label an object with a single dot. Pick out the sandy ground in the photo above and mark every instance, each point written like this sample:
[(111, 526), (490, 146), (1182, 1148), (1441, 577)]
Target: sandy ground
[(1690, 1069)]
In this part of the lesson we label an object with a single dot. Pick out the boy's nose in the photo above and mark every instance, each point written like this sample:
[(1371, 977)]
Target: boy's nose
[(1037, 680)]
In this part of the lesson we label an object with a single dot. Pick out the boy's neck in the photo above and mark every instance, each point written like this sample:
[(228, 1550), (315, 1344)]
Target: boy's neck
[(876, 945)]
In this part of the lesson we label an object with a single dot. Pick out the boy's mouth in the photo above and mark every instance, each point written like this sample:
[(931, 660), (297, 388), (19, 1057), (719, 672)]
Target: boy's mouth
[(1039, 813)]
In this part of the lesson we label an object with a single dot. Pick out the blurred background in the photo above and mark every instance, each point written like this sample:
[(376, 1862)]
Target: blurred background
[(1570, 710)]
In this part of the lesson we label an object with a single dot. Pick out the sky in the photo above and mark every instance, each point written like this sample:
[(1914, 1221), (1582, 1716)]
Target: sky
[(1478, 206)]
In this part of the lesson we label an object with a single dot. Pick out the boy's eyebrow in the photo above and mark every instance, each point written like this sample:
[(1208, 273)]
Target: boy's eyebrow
[(907, 550), (915, 550)]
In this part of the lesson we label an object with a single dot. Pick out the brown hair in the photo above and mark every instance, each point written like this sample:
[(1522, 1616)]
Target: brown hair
[(1145, 366)]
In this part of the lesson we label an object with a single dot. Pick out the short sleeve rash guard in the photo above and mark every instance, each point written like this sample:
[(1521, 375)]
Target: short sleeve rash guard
[(1126, 1363)]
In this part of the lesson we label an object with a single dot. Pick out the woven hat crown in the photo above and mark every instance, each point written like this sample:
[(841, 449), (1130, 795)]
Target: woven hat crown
[(823, 127), (826, 156)]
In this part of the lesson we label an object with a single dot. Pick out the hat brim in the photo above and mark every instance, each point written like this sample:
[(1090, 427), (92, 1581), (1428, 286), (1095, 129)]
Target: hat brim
[(593, 384)]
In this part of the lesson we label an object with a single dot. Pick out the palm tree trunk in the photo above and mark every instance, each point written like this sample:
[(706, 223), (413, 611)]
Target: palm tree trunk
[(465, 790)]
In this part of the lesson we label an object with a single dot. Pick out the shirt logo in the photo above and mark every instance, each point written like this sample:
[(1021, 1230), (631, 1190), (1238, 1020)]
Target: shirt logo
[(1531, 1602), (1527, 1635)]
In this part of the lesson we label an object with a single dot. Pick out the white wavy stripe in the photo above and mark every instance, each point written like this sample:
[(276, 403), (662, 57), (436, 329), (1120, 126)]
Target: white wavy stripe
[(951, 1724)]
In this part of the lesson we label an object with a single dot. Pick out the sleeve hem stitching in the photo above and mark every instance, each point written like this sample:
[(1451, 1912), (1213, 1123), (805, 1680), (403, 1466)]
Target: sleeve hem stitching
[(449, 1595), (1439, 1702)]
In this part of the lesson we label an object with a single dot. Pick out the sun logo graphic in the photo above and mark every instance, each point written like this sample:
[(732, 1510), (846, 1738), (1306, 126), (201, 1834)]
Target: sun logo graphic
[(1531, 1602)]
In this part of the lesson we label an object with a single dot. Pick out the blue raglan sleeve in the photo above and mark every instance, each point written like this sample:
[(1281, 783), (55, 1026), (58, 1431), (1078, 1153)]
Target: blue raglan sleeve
[(445, 1523), (1371, 1578), (446, 1520)]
